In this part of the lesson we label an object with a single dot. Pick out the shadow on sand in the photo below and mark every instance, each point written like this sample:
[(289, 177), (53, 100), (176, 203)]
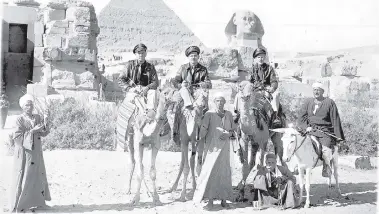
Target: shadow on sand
[(78, 208), (352, 194)]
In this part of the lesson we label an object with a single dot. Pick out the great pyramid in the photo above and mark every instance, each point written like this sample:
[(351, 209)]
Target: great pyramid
[(125, 23)]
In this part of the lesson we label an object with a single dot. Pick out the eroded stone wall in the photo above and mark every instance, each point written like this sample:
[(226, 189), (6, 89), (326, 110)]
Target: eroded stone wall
[(65, 55)]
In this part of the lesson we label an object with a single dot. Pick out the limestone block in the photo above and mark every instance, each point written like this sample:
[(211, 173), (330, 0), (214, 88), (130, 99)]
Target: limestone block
[(37, 90), (55, 30), (81, 41), (63, 79), (39, 28), (52, 41), (86, 80), (78, 14), (58, 23), (37, 74), (81, 29), (324, 81), (27, 3), (47, 74), (38, 40), (345, 88), (64, 4), (54, 14), (52, 54), (363, 163), (38, 62)]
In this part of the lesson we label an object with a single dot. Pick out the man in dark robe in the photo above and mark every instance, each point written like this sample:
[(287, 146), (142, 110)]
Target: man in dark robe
[(276, 184), (319, 117)]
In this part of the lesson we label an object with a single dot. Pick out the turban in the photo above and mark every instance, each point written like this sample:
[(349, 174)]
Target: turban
[(191, 49), (270, 155), (259, 51), (139, 47), (219, 95), (318, 85), (24, 99)]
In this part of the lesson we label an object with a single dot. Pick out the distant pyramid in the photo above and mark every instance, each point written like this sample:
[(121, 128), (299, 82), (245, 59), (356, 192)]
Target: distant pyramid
[(125, 23)]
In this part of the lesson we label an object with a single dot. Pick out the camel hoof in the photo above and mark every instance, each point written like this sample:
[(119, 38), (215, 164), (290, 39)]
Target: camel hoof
[(182, 197), (173, 188), (307, 205), (156, 201), (128, 192), (136, 200)]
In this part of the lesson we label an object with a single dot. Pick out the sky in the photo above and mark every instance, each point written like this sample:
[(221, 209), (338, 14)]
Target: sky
[(290, 25)]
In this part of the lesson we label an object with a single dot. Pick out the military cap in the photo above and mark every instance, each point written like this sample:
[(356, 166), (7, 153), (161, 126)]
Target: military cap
[(191, 49), (258, 51), (139, 47)]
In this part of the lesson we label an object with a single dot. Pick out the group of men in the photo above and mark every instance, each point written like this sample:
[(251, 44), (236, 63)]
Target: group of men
[(318, 116)]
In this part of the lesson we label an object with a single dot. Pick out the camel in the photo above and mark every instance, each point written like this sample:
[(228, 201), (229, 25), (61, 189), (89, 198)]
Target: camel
[(254, 130), (147, 127), (306, 157), (189, 122)]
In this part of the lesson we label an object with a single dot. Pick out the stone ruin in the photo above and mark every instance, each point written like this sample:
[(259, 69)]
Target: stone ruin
[(65, 54)]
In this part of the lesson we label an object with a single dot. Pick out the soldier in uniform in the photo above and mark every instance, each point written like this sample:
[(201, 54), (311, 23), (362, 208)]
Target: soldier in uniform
[(191, 76), (264, 77), (140, 77)]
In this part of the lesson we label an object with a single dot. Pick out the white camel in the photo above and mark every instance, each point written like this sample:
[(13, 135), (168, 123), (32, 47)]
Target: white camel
[(147, 129), (189, 122), (301, 149)]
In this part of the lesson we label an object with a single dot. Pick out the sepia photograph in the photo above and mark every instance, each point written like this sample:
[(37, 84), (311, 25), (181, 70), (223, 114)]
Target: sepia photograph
[(189, 106)]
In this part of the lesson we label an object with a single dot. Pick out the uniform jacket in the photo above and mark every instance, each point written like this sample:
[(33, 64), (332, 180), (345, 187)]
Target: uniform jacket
[(200, 74), (130, 77), (264, 74)]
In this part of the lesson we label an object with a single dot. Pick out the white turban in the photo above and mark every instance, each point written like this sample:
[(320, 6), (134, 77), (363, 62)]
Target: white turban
[(219, 95), (318, 85), (24, 99)]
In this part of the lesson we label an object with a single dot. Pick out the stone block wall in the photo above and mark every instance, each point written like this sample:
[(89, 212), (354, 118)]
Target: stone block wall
[(65, 54)]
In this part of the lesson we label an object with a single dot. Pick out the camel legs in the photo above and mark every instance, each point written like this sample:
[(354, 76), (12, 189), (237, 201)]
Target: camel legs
[(335, 173), (276, 139), (308, 187), (153, 174), (301, 184), (245, 167), (186, 169), (192, 164), (131, 164), (140, 173), (181, 167), (200, 156)]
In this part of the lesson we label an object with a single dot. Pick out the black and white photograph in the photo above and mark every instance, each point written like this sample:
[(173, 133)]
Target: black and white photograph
[(189, 106)]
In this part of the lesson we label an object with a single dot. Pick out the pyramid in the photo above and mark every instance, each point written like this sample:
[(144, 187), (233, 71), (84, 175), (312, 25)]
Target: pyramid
[(125, 23)]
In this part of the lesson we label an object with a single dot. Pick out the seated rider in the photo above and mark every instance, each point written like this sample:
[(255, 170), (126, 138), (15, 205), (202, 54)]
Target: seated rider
[(320, 118), (140, 77), (191, 75), (264, 78)]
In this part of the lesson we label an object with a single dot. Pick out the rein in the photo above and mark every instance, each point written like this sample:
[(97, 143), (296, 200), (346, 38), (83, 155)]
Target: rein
[(297, 148)]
